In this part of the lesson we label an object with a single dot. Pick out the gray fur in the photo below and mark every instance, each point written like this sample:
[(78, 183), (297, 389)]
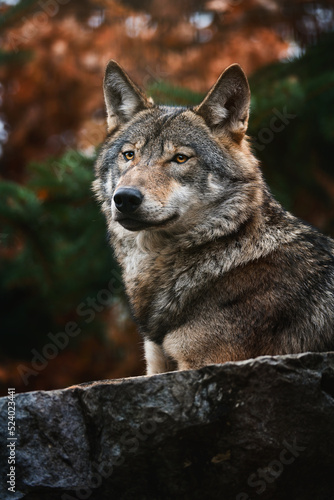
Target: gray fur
[(217, 270)]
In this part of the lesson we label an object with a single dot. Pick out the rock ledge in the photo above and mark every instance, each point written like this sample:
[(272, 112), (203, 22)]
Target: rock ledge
[(258, 429)]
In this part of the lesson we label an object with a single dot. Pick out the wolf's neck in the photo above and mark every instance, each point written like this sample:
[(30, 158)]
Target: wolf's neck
[(265, 229), (165, 278)]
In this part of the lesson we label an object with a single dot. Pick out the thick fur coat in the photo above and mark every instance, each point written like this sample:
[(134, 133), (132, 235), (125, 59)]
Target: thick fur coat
[(214, 268)]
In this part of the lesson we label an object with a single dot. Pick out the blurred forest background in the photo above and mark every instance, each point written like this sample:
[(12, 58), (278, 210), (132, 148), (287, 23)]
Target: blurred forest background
[(64, 319)]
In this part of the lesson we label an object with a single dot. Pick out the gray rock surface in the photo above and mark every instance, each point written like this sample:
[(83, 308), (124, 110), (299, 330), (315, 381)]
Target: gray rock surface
[(259, 429)]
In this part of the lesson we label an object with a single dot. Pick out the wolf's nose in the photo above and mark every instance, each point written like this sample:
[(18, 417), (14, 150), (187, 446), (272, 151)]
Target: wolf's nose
[(127, 199)]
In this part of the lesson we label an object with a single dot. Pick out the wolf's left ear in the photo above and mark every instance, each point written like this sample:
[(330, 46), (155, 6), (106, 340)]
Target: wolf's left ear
[(122, 97), (227, 103)]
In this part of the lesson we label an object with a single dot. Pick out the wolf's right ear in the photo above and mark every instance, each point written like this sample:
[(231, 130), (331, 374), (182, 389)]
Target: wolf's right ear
[(122, 97), (226, 106)]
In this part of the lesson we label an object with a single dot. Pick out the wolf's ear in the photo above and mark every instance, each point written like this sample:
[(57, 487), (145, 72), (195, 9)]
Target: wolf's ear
[(122, 97), (227, 103)]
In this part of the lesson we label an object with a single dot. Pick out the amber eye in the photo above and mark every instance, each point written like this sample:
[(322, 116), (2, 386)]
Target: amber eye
[(180, 158), (129, 155)]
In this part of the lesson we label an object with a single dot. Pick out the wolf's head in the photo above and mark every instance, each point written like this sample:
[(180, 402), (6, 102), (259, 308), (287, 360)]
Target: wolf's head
[(183, 171)]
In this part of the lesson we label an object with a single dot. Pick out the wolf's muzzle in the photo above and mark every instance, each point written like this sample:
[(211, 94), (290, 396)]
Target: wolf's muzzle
[(127, 199)]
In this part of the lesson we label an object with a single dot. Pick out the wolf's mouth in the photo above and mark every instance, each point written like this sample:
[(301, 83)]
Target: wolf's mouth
[(138, 225)]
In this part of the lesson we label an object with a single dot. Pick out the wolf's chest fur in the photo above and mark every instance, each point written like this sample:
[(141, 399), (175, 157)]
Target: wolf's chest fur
[(214, 268), (159, 283)]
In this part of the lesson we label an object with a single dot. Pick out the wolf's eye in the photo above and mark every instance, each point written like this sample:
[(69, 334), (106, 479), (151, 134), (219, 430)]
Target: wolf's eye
[(180, 158), (129, 155)]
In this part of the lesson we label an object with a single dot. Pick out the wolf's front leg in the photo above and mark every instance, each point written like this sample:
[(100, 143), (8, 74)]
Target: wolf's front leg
[(156, 361)]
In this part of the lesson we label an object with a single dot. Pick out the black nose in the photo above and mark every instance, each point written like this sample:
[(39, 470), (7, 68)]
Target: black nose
[(127, 199)]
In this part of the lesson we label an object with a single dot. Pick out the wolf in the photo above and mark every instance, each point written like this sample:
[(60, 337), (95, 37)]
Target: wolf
[(214, 268)]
